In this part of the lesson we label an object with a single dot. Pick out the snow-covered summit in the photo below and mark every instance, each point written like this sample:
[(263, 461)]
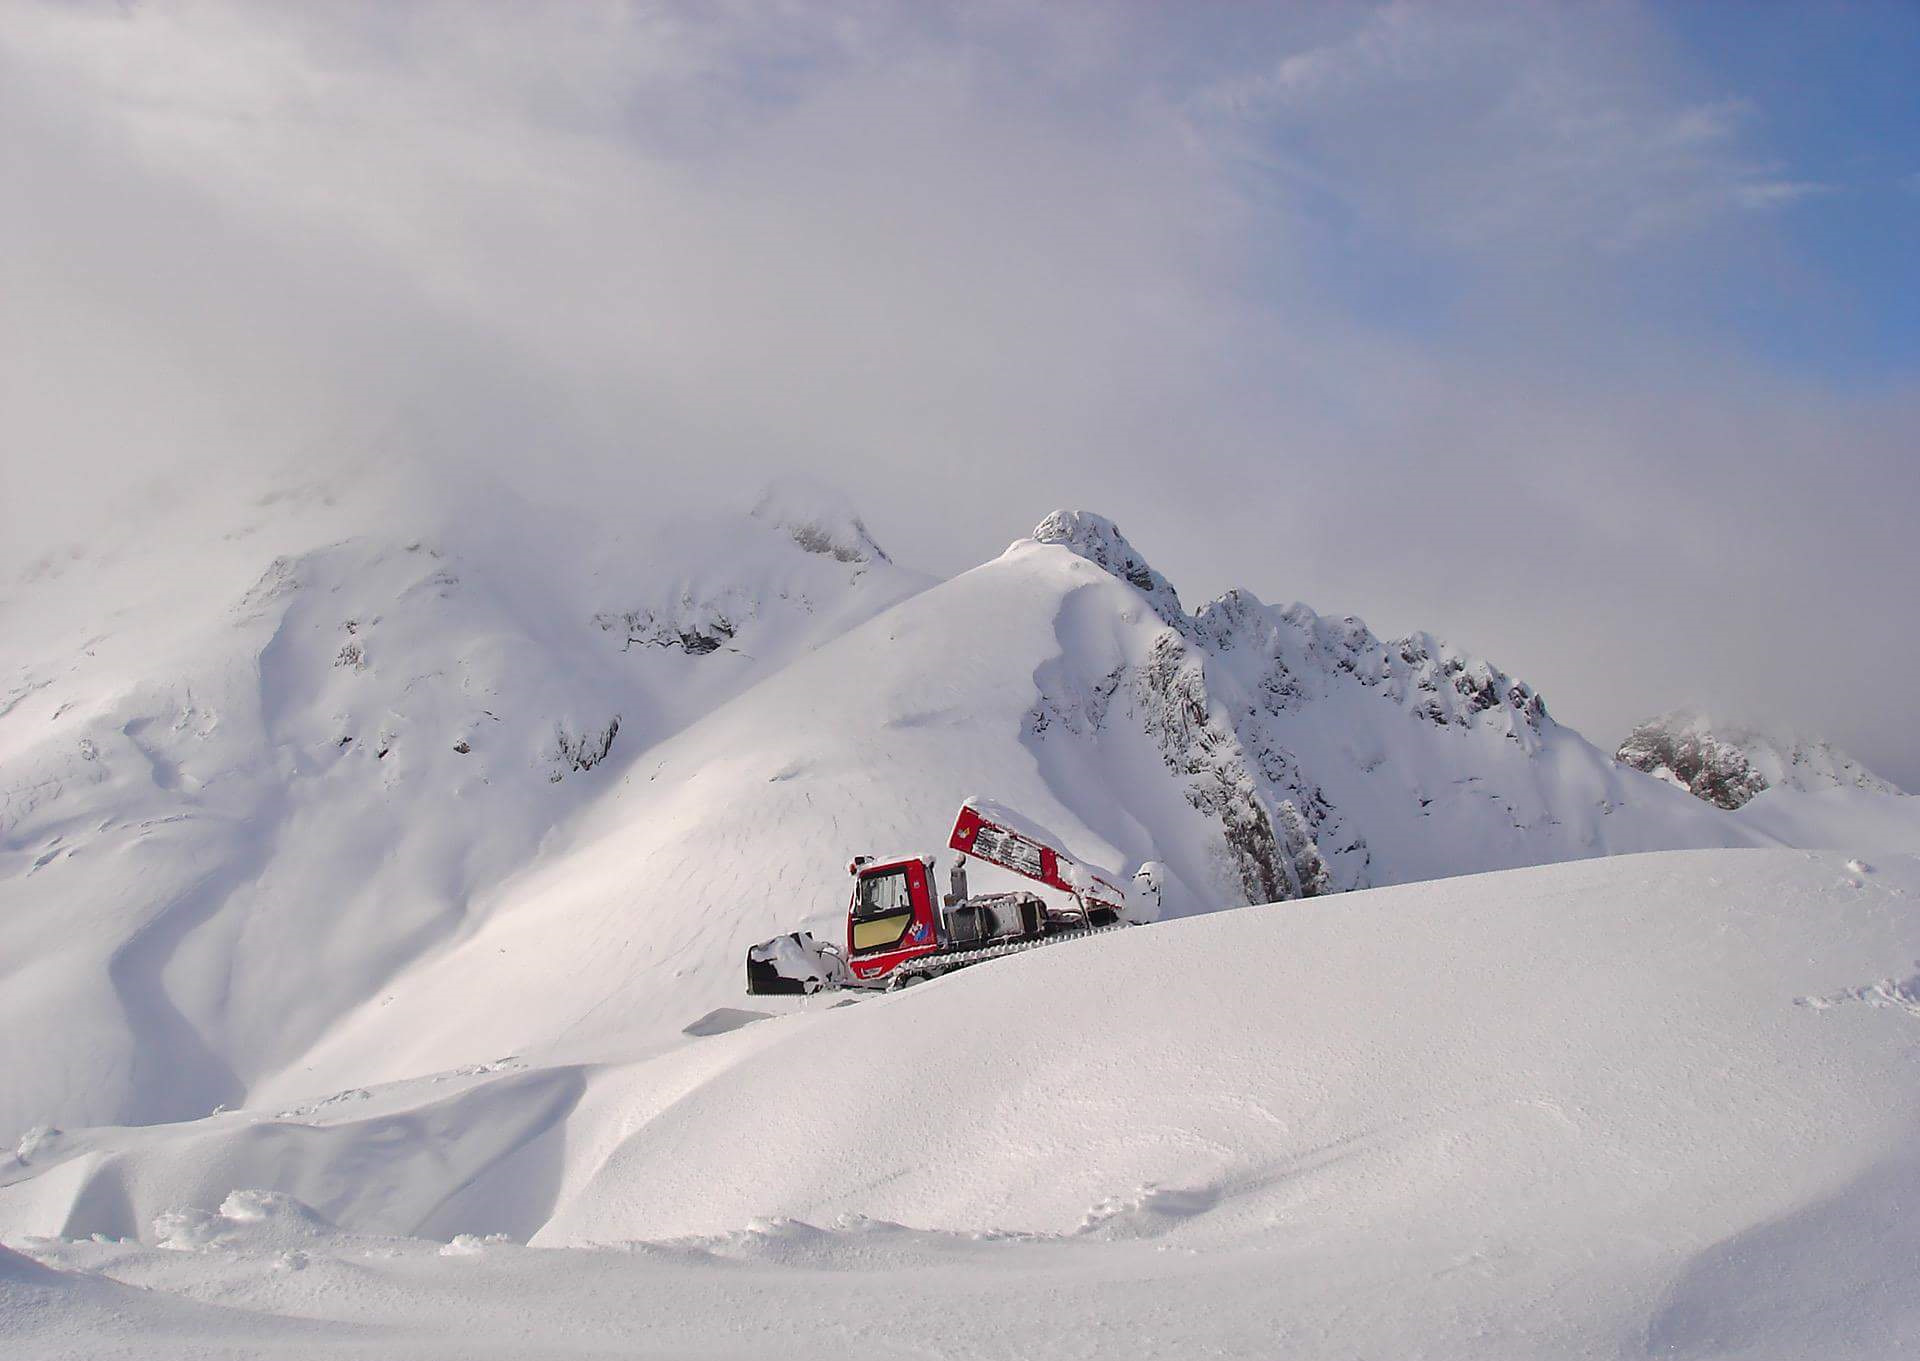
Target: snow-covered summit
[(1100, 542), (1308, 655), (1287, 730), (1728, 763)]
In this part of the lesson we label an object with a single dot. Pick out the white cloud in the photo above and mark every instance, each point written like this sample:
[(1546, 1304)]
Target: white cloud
[(619, 243), (1389, 309)]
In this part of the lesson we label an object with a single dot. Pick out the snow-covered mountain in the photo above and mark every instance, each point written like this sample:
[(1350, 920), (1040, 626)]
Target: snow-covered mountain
[(300, 805), (1728, 763)]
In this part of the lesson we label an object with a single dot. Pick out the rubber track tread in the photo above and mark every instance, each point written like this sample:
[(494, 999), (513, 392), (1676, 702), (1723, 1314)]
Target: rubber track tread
[(959, 959)]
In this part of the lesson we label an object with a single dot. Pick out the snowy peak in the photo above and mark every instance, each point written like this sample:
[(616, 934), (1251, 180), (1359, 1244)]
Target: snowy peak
[(1100, 542), (819, 520), (1727, 764), (1319, 756), (1316, 748), (1311, 655)]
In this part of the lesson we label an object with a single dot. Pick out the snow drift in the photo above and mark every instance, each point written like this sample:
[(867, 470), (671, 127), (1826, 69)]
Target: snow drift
[(1574, 1110)]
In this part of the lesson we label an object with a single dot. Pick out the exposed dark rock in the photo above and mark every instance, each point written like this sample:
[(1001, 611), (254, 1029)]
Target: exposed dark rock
[(584, 751), (1196, 741), (695, 628), (1709, 770), (1727, 764)]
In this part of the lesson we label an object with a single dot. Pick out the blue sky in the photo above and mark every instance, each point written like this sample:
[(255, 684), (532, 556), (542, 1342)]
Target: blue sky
[(1836, 93), (1581, 334), (1817, 104)]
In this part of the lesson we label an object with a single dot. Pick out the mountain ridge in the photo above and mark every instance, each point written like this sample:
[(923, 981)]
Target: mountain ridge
[(385, 804)]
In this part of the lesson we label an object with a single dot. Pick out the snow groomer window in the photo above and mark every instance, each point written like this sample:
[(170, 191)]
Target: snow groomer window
[(883, 910)]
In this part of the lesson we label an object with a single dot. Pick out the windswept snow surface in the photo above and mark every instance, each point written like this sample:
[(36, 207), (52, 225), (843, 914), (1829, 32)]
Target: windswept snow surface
[(1656, 1105)]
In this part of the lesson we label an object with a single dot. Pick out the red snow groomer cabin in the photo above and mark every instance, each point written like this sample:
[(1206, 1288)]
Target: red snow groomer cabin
[(898, 931)]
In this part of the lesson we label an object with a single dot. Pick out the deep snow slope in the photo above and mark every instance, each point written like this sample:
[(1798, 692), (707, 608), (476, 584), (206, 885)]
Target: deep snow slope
[(740, 826), (248, 777), (1643, 1106), (1728, 763), (1874, 823)]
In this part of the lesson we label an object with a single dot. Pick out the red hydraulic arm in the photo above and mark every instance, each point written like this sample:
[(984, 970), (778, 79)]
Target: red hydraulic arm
[(994, 834)]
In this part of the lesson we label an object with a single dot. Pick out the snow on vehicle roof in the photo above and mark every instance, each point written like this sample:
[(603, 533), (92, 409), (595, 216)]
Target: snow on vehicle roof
[(893, 861)]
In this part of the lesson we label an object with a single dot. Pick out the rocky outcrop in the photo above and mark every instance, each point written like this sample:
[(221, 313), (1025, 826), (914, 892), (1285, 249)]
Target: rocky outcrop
[(582, 751), (1100, 542), (1306, 655), (1271, 846), (1727, 764), (695, 627)]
